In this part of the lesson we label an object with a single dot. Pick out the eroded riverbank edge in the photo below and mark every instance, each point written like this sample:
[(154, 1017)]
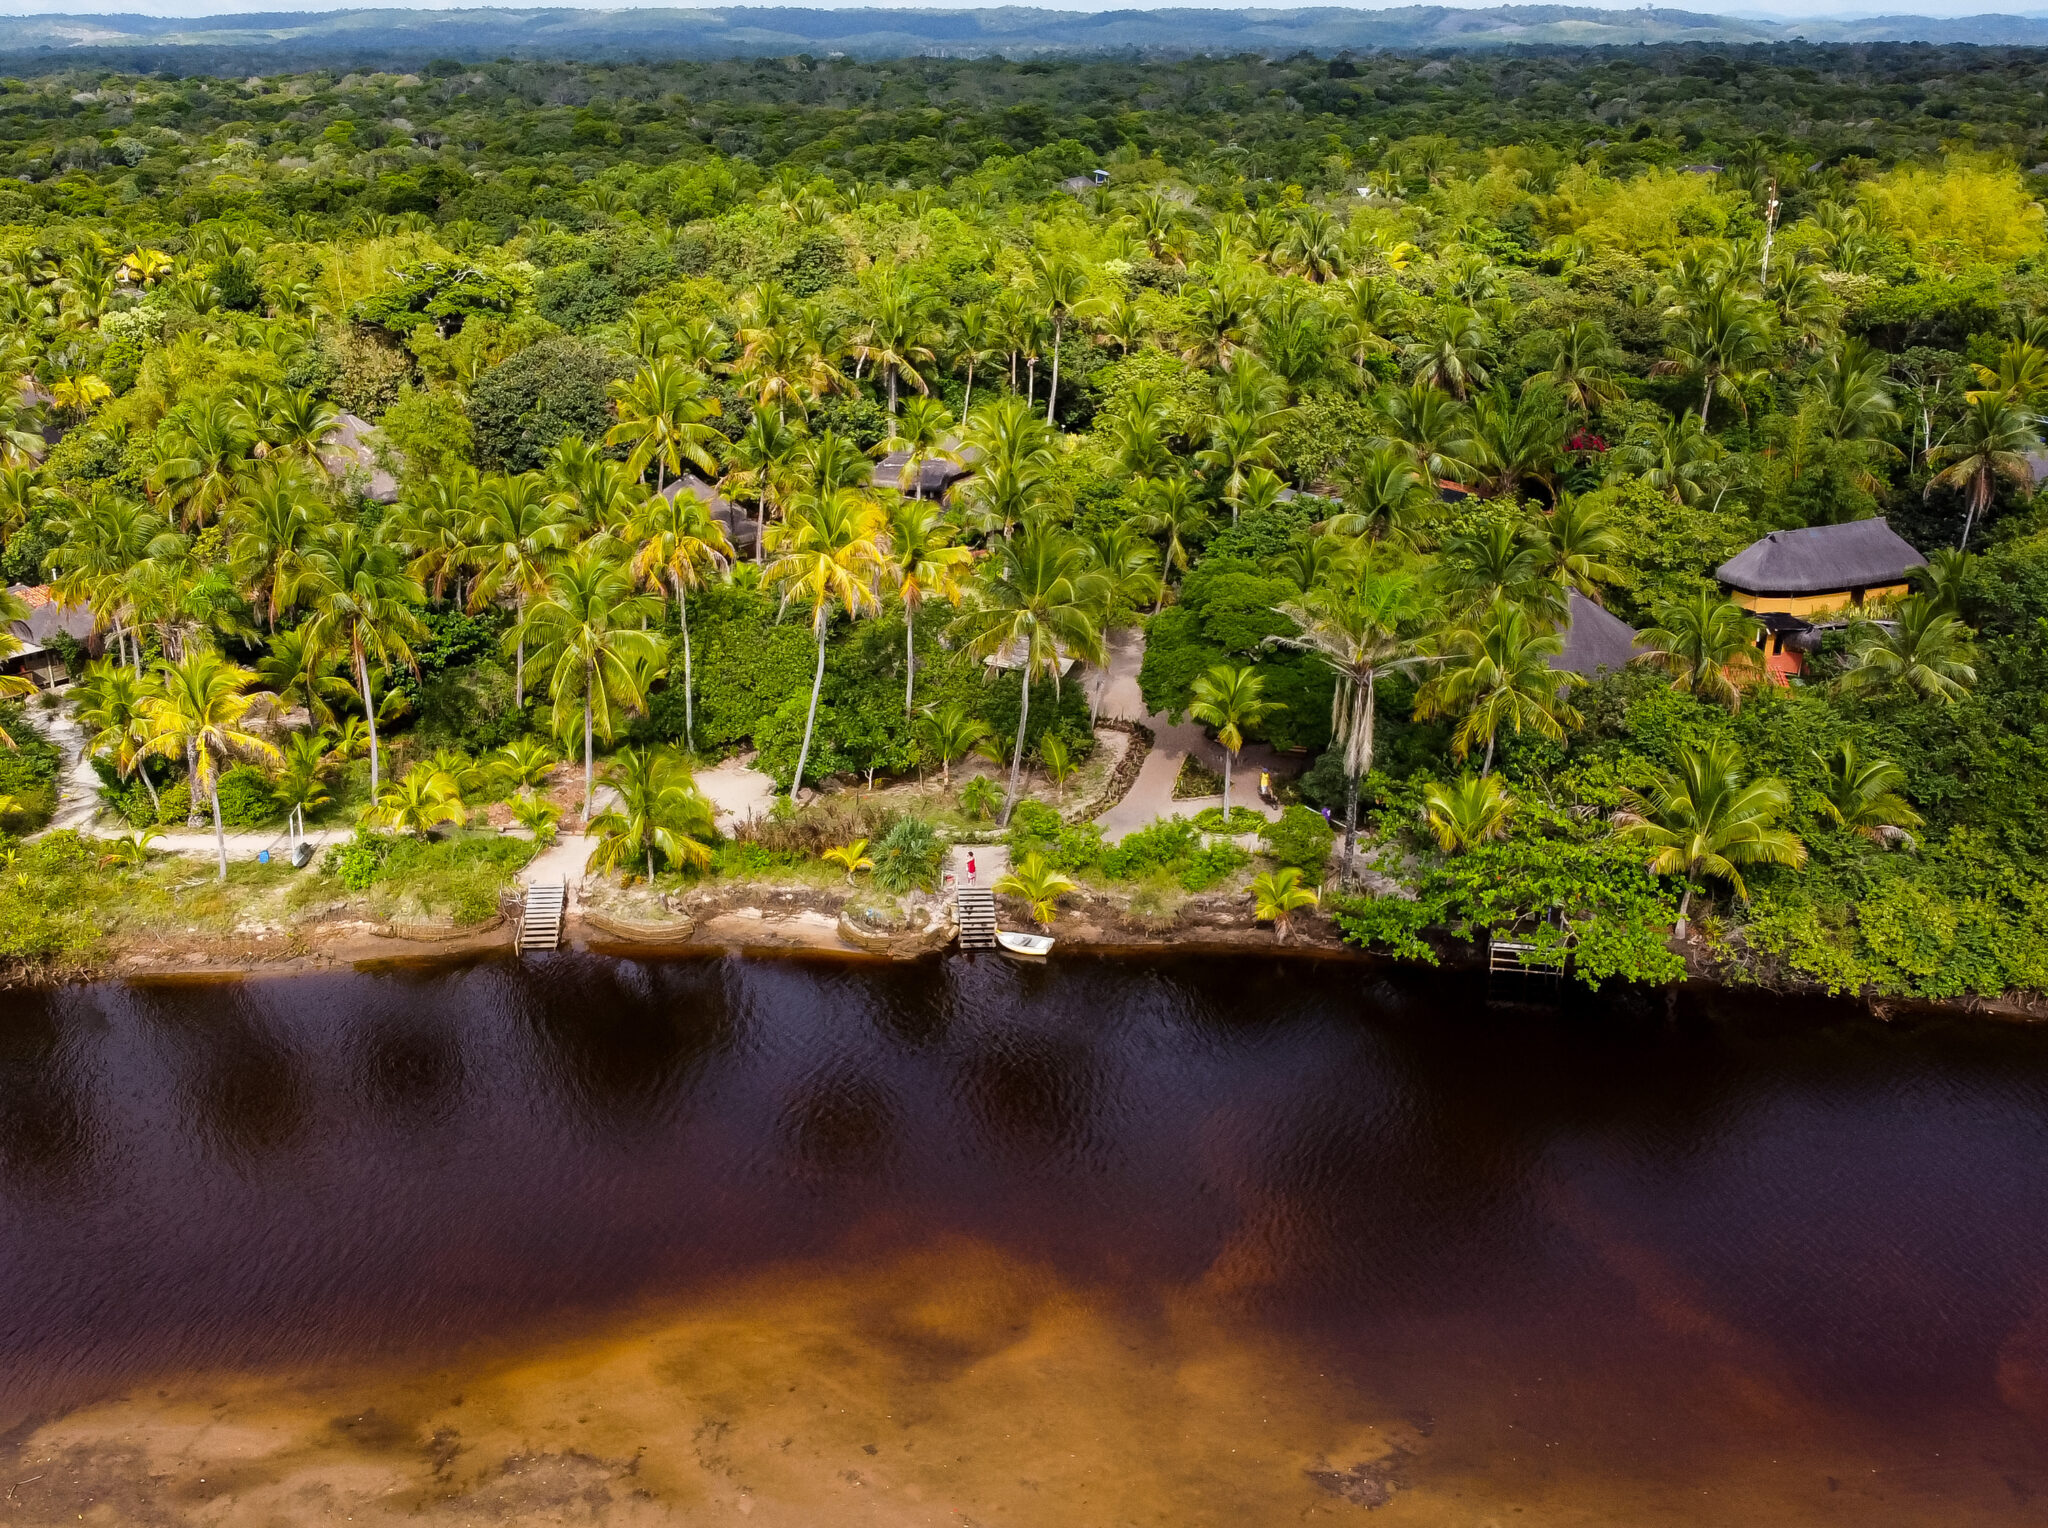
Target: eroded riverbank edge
[(771, 921)]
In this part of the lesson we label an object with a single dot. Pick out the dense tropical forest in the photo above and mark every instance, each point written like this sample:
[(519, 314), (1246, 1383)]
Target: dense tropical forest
[(363, 401)]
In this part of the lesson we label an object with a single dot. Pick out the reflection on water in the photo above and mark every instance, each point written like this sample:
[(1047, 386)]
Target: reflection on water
[(1090, 1241)]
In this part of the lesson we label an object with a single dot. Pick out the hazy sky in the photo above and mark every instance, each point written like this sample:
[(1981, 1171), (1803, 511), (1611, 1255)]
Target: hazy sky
[(1773, 8)]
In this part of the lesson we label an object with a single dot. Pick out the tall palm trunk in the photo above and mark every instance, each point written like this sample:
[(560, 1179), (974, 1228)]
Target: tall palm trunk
[(589, 756), (967, 398), (369, 711), (689, 712), (1052, 392), (1352, 776), (191, 784), (803, 754), (1229, 757), (1017, 754), (909, 658), (519, 652), (155, 801), (220, 837)]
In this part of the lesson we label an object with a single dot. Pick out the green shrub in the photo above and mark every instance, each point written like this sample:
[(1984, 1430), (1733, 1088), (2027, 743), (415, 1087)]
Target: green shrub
[(1300, 838), (246, 800), (1033, 822), (907, 855), (174, 804), (1243, 819), (521, 408), (1164, 845), (1212, 866), (1391, 925), (358, 862)]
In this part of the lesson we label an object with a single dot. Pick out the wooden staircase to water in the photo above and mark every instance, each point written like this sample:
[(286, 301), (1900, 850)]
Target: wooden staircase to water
[(974, 908), (540, 916)]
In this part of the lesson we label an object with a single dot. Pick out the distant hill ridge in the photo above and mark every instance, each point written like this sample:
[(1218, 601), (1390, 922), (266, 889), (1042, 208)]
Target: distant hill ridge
[(1015, 31)]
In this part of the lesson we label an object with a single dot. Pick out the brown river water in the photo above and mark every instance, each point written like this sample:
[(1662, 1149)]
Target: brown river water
[(1103, 1241)]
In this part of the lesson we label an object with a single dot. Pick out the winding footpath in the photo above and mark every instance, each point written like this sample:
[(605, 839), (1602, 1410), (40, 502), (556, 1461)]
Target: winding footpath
[(738, 792), (1115, 693)]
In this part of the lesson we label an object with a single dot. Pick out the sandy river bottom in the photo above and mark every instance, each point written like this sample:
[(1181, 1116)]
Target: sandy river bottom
[(956, 1385)]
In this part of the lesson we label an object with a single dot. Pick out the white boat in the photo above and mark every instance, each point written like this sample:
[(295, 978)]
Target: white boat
[(1025, 944)]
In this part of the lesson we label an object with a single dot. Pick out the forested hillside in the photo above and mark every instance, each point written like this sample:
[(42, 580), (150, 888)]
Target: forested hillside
[(1339, 378)]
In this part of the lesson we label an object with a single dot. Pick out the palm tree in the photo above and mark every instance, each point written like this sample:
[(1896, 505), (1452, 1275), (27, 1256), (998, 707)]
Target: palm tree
[(1702, 822), (852, 858), (519, 528), (363, 598), (1723, 338), (1990, 443), (433, 520), (1383, 495), (589, 629), (1472, 811), (536, 815), (662, 409), (827, 553), (1240, 443), (760, 460), (299, 423), (1512, 439), (920, 432), (1061, 284), (273, 525), (1497, 674), (677, 536), (1277, 895), (947, 732), (1862, 795), (1674, 456), (1500, 558), (1231, 698), (1037, 603), (198, 712), (111, 704), (897, 335), (921, 563), (973, 344), (299, 670), (1058, 762), (523, 763), (1575, 539), (659, 811), (1708, 644), (1016, 468), (1171, 509), (1448, 351), (300, 781), (201, 456), (1039, 884), (421, 801), (1363, 633), (1577, 363), (1130, 566), (1923, 649), (1425, 422)]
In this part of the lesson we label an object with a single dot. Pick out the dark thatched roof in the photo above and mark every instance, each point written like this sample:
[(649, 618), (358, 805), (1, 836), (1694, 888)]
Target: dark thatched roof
[(1595, 640), (1822, 559), (936, 473)]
